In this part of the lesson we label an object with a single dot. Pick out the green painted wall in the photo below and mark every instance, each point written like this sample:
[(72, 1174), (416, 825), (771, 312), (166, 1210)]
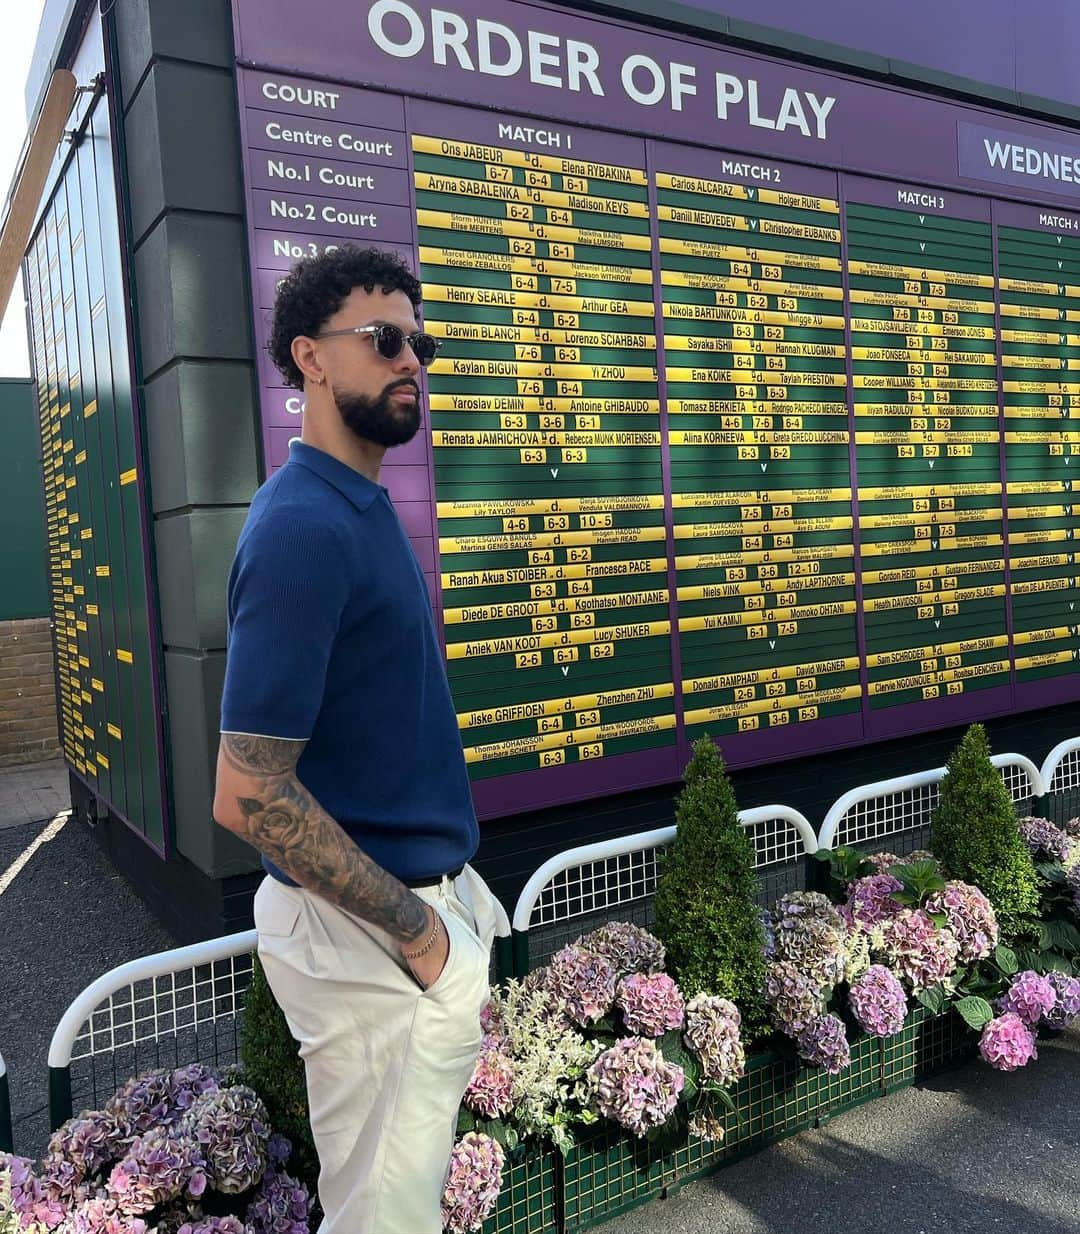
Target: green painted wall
[(23, 559)]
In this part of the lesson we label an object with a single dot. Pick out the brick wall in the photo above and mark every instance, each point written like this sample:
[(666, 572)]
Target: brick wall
[(27, 695)]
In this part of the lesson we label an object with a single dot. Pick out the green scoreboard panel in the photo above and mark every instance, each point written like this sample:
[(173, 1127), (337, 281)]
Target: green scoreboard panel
[(756, 387), (545, 419), (924, 360), (105, 657), (1039, 277)]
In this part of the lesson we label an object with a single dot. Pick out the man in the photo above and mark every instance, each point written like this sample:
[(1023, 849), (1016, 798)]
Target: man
[(341, 761)]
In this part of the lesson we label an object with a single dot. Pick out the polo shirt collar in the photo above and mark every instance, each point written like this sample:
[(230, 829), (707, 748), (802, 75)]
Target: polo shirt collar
[(351, 484)]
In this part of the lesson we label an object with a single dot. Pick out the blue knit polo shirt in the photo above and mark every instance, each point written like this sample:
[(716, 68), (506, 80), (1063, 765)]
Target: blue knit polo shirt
[(332, 640)]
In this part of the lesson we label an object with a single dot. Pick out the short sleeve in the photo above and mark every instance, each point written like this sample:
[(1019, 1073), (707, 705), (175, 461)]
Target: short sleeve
[(288, 588)]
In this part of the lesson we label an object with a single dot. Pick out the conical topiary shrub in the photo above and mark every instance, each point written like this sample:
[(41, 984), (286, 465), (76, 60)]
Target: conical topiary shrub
[(706, 908), (274, 1069), (975, 836)]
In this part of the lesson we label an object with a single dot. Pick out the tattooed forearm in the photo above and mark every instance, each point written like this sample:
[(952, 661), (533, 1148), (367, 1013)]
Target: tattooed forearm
[(274, 812)]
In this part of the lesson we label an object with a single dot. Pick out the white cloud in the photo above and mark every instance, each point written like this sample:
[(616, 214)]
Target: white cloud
[(20, 27)]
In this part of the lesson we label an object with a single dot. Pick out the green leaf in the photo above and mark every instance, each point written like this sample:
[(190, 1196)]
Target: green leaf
[(466, 1121), (725, 1098), (1065, 936), (977, 1012), (939, 919), (933, 999), (1006, 959), (1046, 939)]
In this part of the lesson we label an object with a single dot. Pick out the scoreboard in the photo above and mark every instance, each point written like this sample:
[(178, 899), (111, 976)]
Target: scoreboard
[(720, 439)]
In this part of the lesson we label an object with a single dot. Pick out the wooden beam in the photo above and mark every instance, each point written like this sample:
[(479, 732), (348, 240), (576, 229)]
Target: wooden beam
[(31, 179)]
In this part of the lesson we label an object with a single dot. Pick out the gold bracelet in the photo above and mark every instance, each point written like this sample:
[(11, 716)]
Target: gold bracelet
[(415, 955)]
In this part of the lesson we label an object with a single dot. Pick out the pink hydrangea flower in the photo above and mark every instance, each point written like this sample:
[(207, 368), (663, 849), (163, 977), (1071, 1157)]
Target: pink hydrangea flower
[(918, 951), (712, 1032), (490, 1090), (651, 1003), (1007, 1043), (629, 948), (584, 980), (634, 1084), (970, 918), (1030, 997), (472, 1183)]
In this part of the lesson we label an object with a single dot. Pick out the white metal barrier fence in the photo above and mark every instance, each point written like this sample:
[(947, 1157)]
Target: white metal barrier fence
[(1061, 782), (580, 889), (897, 813), (6, 1138), (166, 1010)]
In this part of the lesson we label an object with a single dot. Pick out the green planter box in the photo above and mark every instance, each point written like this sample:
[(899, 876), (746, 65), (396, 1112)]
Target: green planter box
[(608, 1173), (862, 1081), (926, 1044), (528, 1200)]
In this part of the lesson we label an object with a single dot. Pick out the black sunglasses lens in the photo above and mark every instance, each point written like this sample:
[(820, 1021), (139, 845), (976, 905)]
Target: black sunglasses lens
[(389, 341), (424, 347)]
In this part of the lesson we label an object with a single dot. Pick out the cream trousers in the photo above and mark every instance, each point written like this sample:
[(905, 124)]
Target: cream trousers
[(387, 1063)]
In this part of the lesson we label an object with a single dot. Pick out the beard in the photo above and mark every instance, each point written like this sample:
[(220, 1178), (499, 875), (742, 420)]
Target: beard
[(376, 419)]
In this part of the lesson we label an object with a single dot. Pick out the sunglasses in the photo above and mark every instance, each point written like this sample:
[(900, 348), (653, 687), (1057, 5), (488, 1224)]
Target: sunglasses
[(389, 341)]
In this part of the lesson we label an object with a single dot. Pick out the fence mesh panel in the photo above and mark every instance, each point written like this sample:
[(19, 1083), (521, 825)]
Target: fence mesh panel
[(901, 822), (191, 1015), (620, 888), (1063, 791)]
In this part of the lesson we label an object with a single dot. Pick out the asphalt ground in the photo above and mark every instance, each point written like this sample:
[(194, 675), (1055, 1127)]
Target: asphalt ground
[(65, 919), (972, 1150)]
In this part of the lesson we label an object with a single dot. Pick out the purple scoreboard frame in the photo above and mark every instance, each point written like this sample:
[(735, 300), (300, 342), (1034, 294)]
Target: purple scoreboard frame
[(350, 80)]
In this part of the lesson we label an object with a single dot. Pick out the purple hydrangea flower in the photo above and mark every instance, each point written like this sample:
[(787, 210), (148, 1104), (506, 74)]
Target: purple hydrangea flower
[(918, 951), (491, 1087), (824, 1043), (712, 1032), (1029, 997), (651, 1004), (634, 1085), (869, 900), (1067, 1007), (1007, 1043), (144, 1101), (878, 1002), (29, 1198), (970, 918), (215, 1225), (232, 1128), (1046, 841), (472, 1183), (100, 1216), (159, 1166), (794, 1000), (1072, 828), (187, 1083), (77, 1151), (1072, 878), (811, 934), (629, 948), (281, 1205), (883, 861), (584, 980)]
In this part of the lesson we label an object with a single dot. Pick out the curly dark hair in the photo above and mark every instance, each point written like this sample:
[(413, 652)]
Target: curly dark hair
[(318, 286)]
